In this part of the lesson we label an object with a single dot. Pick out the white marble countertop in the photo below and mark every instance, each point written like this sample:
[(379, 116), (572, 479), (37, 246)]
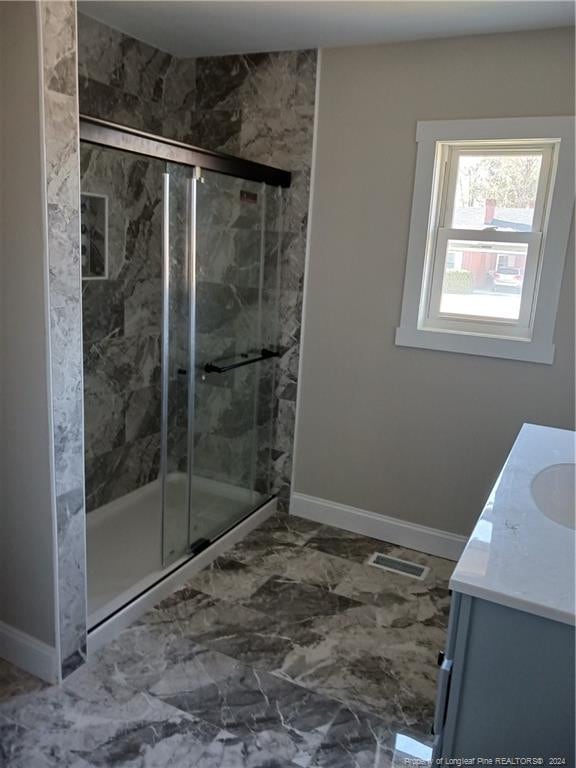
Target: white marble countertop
[(516, 556)]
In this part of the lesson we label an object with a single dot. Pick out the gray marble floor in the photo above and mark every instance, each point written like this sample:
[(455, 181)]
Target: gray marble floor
[(14, 681), (289, 651)]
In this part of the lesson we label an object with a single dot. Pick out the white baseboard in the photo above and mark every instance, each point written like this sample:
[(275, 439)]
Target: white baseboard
[(28, 653), (109, 629), (390, 529)]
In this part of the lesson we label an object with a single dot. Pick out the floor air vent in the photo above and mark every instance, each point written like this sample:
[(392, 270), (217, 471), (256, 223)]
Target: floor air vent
[(394, 564)]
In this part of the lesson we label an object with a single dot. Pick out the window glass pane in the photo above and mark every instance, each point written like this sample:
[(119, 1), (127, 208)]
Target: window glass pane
[(483, 280), (496, 191)]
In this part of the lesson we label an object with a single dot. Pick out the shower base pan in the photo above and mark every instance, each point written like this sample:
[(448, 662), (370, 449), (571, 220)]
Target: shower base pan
[(124, 540)]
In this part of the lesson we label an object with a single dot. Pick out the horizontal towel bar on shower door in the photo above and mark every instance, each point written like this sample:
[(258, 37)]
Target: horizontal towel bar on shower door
[(245, 359), (222, 367)]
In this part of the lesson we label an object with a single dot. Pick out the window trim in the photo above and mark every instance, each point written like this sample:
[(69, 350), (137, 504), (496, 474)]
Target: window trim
[(537, 345)]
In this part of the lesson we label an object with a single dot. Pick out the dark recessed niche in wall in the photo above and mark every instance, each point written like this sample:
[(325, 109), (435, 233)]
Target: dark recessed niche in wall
[(94, 238)]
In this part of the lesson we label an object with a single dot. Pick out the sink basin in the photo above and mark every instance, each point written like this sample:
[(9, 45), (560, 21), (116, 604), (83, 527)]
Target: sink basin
[(553, 491)]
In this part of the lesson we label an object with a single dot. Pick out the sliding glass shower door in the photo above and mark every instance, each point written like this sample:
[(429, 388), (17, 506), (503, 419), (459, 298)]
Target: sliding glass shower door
[(180, 318), (221, 306)]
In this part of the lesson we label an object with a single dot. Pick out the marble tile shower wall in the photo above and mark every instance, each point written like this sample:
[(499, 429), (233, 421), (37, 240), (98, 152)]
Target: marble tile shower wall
[(58, 51), (259, 107), (122, 328)]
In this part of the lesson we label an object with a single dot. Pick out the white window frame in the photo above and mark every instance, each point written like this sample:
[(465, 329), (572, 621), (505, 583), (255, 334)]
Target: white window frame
[(531, 337)]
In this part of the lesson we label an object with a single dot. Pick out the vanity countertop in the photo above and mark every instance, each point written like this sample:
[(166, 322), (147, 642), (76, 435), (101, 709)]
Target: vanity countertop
[(517, 556)]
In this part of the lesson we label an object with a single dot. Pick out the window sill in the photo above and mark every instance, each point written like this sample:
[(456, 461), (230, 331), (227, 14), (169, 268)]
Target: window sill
[(469, 344)]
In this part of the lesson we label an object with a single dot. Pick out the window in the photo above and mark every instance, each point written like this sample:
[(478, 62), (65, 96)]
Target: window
[(490, 221)]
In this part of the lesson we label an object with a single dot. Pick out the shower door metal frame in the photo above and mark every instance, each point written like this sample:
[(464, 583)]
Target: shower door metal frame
[(165, 358), (193, 181), (108, 134)]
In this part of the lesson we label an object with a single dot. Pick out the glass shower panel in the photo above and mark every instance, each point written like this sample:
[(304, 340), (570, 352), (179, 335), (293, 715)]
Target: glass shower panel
[(271, 382), (232, 358), (177, 385), (121, 241)]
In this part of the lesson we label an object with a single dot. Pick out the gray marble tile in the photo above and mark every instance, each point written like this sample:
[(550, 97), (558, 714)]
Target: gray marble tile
[(59, 50), (210, 129), (263, 750), (296, 601), (142, 414), (243, 700), (64, 227), (352, 546), (406, 600), (360, 660), (58, 44), (290, 563), (276, 136), (114, 474), (231, 628), (70, 516), (125, 364), (255, 713), (119, 60), (259, 107), (143, 308), (61, 728), (228, 579), (98, 325), (107, 102), (15, 681), (104, 416), (280, 674), (357, 740), (230, 82), (61, 149), (227, 459), (284, 529)]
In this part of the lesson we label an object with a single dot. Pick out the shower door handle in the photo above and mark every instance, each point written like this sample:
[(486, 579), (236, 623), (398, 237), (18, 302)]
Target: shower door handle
[(265, 354)]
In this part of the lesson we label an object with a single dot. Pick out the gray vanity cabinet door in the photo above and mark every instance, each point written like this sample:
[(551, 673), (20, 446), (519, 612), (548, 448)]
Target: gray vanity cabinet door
[(444, 682), (511, 691)]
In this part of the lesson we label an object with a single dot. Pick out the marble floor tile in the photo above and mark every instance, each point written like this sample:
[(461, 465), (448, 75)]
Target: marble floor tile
[(268, 714), (15, 681), (302, 564), (287, 529), (228, 579), (240, 632), (352, 546), (287, 652), (361, 661), (404, 600), (279, 535), (290, 600), (360, 740), (254, 551), (356, 740), (59, 728), (144, 654), (263, 750)]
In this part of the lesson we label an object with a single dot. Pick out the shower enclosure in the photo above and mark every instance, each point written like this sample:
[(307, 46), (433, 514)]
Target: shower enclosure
[(180, 263)]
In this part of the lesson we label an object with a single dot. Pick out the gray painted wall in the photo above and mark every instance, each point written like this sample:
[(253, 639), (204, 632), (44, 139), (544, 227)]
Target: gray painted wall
[(26, 514), (418, 435)]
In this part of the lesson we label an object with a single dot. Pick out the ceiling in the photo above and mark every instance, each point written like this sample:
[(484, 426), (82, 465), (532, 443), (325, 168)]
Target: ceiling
[(219, 27)]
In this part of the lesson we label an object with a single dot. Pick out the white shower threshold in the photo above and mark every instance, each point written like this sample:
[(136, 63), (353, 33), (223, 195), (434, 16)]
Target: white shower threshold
[(109, 628), (124, 538)]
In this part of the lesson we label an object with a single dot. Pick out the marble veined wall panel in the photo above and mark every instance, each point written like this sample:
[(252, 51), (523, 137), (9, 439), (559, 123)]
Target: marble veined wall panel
[(259, 107), (122, 328), (58, 50)]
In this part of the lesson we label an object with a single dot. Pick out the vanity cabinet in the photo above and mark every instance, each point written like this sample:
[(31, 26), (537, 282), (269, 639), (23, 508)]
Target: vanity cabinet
[(505, 685)]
